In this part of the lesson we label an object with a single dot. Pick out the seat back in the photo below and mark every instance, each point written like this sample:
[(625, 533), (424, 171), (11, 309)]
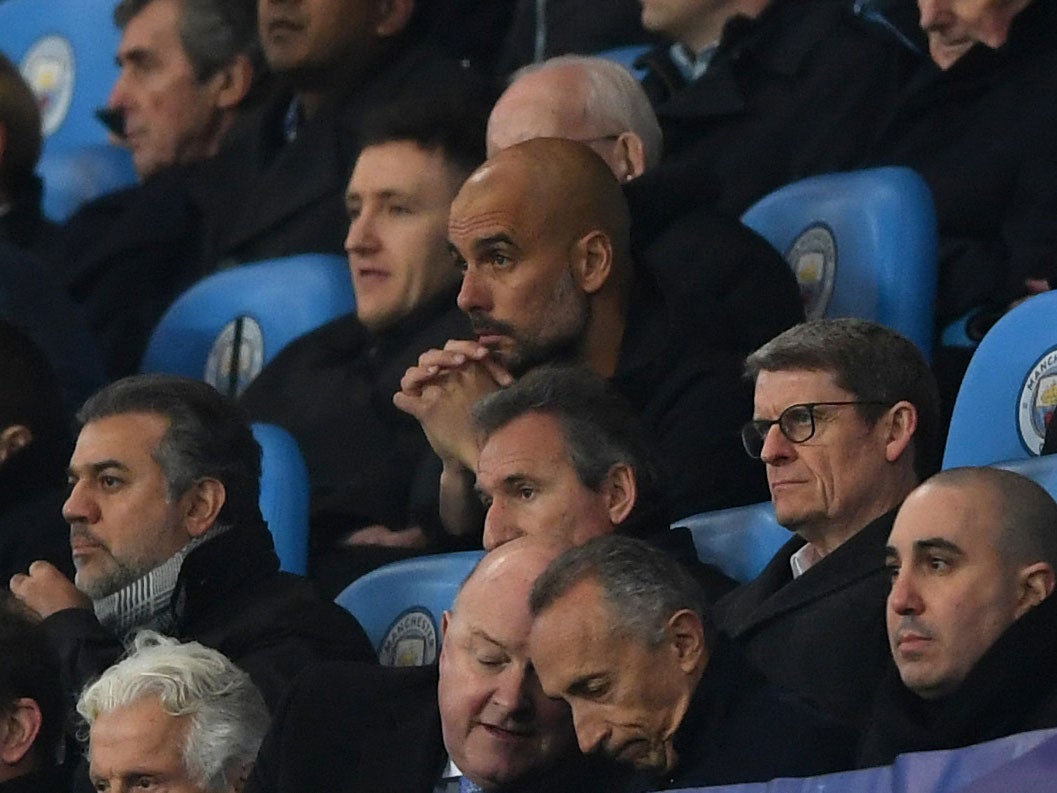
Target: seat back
[(400, 605), (226, 327), (65, 50), (626, 57), (284, 495), (1009, 391), (1041, 470), (740, 540), (862, 244)]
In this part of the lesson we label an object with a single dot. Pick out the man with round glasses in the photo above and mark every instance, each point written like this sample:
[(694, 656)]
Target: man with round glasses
[(846, 421)]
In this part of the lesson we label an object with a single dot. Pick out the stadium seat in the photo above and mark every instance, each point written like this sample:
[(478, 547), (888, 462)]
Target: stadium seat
[(284, 495), (226, 327), (1009, 391), (400, 605), (76, 175), (1042, 470), (862, 244), (740, 540), (626, 57)]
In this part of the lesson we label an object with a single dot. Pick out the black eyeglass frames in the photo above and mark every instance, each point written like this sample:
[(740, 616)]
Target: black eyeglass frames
[(796, 423)]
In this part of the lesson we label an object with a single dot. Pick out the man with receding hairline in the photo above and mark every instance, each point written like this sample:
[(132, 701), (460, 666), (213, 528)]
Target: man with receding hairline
[(971, 621), (541, 234)]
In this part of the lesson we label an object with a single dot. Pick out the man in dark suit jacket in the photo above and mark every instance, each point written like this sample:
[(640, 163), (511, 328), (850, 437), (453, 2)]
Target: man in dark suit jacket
[(846, 421), (622, 633), (481, 714)]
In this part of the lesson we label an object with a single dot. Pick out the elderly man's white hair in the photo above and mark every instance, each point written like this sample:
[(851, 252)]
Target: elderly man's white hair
[(614, 98), (228, 714)]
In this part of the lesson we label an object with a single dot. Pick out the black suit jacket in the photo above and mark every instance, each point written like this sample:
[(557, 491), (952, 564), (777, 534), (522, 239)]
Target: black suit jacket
[(823, 634)]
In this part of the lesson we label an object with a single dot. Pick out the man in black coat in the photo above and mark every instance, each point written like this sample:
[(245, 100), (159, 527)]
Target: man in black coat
[(622, 633), (374, 495), (481, 714), (755, 94), (846, 419), (542, 232), (972, 623), (167, 534), (126, 256), (280, 183)]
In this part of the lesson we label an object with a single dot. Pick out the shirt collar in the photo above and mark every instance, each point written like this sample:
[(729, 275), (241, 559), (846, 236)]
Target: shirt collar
[(692, 65)]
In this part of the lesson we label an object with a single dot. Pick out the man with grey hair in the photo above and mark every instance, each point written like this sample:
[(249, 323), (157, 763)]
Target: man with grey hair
[(846, 421), (590, 99), (188, 74), (622, 634), (167, 534), (972, 623), (173, 716)]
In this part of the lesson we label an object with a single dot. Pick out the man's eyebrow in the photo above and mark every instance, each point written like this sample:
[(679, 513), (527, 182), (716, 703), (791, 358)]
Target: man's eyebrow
[(480, 633), (486, 243), (938, 544), (99, 467)]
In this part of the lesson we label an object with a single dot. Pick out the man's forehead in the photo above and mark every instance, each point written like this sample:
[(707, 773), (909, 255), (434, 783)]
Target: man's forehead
[(124, 433)]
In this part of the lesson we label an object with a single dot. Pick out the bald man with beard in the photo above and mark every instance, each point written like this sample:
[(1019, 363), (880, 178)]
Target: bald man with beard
[(541, 232)]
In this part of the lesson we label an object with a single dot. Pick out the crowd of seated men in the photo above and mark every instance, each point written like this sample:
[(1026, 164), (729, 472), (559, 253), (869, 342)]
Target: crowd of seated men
[(564, 341)]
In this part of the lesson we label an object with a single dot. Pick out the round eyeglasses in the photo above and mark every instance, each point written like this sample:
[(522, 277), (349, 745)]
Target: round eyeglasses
[(796, 423)]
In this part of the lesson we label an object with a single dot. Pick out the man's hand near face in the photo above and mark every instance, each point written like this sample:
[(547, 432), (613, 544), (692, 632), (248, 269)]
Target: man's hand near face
[(45, 590)]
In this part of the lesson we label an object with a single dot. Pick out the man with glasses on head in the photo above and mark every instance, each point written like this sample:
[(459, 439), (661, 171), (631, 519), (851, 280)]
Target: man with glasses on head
[(846, 420)]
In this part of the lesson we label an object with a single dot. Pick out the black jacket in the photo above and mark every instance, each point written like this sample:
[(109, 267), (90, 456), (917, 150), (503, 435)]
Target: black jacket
[(739, 728), (798, 91), (229, 596), (1011, 689), (823, 634), (984, 135)]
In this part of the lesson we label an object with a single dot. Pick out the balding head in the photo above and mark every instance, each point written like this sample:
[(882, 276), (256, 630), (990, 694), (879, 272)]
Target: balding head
[(591, 100), (543, 230), (497, 724), (972, 551)]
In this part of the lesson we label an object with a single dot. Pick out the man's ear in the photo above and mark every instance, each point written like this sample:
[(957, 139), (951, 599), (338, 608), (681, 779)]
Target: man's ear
[(900, 423), (14, 439), (21, 725), (203, 502), (594, 261), (686, 636), (392, 17), (233, 82), (620, 491), (1036, 584), (630, 156)]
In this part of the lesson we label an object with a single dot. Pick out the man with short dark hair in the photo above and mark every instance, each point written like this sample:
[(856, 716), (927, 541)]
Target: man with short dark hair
[(564, 458), (971, 618), (541, 232), (373, 474), (622, 633), (167, 534), (31, 704), (479, 717), (846, 421)]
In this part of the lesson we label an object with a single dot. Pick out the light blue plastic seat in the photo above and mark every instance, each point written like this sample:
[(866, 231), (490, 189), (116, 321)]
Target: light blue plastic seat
[(225, 328), (1009, 391), (626, 57), (740, 540), (400, 605), (284, 495), (861, 243)]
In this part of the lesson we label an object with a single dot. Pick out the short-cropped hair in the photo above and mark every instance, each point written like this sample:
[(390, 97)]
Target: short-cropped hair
[(228, 717), (641, 584), (599, 427), (870, 361), (209, 436)]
